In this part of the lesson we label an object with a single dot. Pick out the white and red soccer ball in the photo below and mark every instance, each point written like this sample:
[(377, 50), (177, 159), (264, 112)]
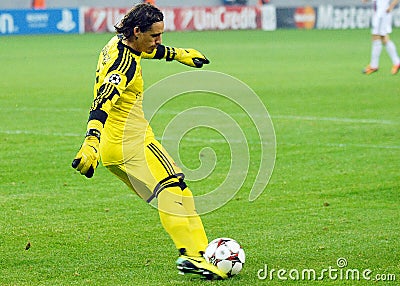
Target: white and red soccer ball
[(226, 254)]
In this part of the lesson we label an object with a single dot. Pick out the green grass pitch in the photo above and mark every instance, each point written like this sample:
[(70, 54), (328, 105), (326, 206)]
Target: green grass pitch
[(334, 192)]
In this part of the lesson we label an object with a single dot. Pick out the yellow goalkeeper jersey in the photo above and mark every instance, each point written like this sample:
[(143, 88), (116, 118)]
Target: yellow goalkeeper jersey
[(118, 97)]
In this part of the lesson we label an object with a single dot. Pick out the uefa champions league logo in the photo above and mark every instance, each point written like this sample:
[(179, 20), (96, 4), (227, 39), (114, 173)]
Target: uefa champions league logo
[(231, 126)]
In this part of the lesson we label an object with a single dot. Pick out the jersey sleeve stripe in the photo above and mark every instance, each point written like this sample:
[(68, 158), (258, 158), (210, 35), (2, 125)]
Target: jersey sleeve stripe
[(117, 61), (125, 64), (106, 92), (130, 73)]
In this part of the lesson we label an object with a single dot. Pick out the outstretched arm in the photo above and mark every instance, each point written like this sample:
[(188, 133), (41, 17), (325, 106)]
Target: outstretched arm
[(189, 57)]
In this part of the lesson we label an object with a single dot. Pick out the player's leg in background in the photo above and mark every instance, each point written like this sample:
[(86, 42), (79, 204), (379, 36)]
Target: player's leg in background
[(389, 44), (392, 52), (376, 51), (376, 47)]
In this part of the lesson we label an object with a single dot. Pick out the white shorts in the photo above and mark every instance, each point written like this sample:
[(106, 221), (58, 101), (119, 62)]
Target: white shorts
[(382, 24)]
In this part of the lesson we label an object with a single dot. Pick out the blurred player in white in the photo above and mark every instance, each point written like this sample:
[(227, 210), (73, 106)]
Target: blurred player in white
[(381, 28)]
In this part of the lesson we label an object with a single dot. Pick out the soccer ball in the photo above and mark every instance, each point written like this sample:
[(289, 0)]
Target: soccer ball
[(226, 254)]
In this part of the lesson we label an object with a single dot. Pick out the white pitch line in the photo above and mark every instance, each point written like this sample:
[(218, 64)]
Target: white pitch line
[(337, 119), (337, 145), (44, 109), (348, 145), (168, 111), (296, 117), (365, 146), (27, 132)]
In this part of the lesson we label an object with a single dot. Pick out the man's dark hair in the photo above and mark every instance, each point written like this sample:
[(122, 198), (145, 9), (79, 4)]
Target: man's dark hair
[(142, 15)]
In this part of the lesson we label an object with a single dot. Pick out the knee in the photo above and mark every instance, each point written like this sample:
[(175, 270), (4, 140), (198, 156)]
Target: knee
[(170, 201)]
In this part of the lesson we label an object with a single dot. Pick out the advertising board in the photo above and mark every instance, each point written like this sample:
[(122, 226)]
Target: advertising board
[(181, 19), (52, 21)]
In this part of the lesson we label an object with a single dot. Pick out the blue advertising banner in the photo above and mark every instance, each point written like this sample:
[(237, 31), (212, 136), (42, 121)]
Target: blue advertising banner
[(52, 21)]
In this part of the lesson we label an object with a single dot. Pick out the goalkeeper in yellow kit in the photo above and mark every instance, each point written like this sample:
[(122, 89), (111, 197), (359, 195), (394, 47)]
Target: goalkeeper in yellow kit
[(118, 131)]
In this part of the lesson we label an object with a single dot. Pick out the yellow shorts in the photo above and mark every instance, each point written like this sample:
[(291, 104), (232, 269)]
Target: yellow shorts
[(150, 171)]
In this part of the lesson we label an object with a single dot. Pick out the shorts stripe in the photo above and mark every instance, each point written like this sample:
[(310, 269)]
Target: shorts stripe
[(162, 158)]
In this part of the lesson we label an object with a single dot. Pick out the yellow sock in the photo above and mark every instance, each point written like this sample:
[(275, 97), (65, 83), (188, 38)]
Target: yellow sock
[(196, 225), (179, 219)]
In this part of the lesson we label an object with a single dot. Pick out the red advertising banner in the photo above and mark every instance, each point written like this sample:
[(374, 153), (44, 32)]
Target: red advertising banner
[(181, 19), (100, 20), (212, 18)]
